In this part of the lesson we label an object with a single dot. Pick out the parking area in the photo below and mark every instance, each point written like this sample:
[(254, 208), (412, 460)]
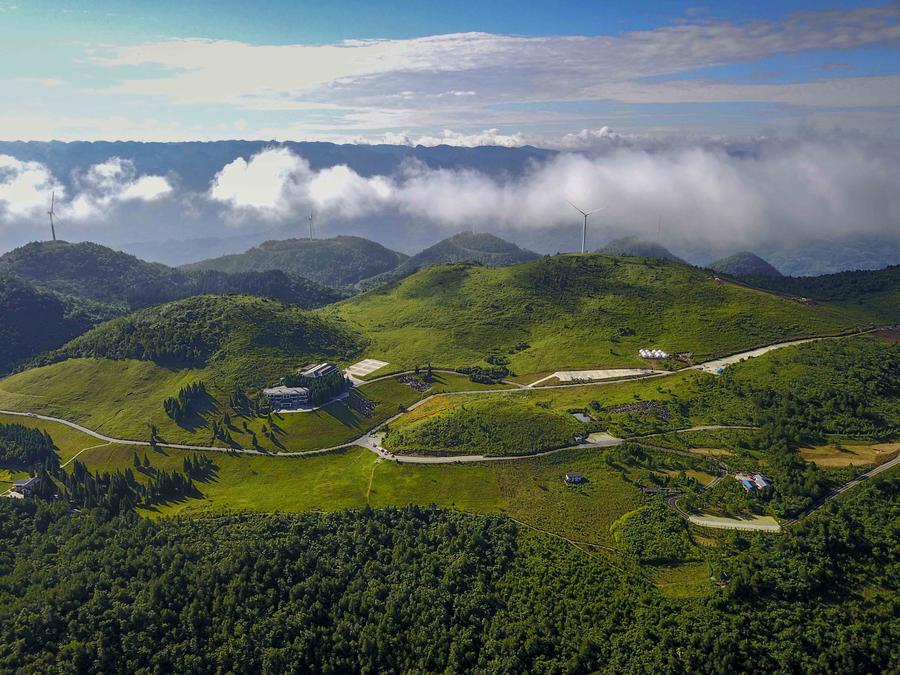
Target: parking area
[(365, 367)]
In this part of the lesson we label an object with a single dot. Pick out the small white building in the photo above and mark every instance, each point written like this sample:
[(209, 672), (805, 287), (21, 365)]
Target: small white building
[(320, 370), (286, 398), (25, 486)]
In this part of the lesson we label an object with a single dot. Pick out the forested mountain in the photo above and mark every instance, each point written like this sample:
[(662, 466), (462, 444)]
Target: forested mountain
[(339, 262), (425, 590), (483, 248), (639, 247), (744, 264), (95, 272), (229, 331), (836, 287), (34, 320)]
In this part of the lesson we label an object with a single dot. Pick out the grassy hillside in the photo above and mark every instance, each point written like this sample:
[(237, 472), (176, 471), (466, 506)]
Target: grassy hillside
[(33, 320), (744, 264), (95, 272), (483, 248), (572, 312), (339, 262), (529, 490)]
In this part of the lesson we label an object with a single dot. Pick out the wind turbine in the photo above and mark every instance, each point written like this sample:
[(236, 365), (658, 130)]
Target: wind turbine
[(310, 219), (51, 213), (584, 228)]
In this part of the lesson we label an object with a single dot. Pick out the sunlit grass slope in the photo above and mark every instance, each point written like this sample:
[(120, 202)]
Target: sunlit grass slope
[(124, 398), (573, 311), (531, 491)]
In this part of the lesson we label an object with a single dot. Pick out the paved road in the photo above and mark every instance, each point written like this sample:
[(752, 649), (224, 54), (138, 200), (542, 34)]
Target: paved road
[(881, 468), (772, 525)]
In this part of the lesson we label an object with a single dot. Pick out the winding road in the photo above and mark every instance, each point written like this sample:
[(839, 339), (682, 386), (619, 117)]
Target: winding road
[(370, 440)]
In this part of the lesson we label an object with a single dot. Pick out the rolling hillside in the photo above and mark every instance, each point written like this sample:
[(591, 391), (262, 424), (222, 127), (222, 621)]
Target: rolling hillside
[(483, 248), (115, 377), (339, 262), (572, 311), (744, 264), (98, 273)]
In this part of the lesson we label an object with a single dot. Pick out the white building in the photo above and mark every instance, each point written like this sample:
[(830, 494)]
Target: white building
[(286, 398), (320, 370)]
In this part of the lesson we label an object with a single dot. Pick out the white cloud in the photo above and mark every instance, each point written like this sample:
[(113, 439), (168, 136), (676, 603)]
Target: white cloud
[(25, 188), (482, 69), (260, 184), (774, 191), (275, 181), (104, 186)]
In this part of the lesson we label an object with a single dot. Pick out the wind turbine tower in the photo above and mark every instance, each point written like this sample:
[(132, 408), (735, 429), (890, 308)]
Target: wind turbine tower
[(584, 227), (310, 219), (51, 213)]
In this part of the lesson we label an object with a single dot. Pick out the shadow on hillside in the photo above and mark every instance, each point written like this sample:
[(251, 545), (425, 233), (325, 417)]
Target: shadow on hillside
[(343, 414), (200, 411)]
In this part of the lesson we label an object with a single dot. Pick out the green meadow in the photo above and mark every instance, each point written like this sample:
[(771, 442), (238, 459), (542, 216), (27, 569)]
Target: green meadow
[(124, 399), (530, 490)]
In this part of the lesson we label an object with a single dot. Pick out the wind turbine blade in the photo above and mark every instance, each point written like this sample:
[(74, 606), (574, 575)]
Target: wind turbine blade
[(576, 208), (595, 210)]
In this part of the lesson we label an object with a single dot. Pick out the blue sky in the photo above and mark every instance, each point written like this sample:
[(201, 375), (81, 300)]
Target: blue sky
[(549, 73)]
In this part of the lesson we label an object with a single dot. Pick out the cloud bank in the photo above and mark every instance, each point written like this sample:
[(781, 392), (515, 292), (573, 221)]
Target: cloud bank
[(812, 189), (25, 189)]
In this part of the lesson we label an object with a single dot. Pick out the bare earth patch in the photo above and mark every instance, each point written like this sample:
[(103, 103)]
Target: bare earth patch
[(758, 523), (849, 455)]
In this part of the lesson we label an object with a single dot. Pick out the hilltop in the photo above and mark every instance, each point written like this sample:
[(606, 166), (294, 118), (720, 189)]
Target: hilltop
[(98, 273), (246, 336), (570, 311), (744, 264), (34, 320), (635, 246), (339, 262), (482, 248)]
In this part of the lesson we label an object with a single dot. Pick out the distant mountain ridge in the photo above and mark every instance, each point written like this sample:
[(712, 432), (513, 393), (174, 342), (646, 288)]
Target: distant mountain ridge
[(745, 264), (482, 248), (101, 274), (339, 262), (639, 247)]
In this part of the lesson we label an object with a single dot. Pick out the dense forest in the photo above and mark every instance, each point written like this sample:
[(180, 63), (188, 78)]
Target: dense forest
[(22, 447), (839, 286), (425, 590), (33, 320)]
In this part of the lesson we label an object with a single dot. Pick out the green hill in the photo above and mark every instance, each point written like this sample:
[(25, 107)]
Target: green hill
[(572, 311), (115, 377), (482, 248), (339, 262), (246, 337), (34, 320), (99, 273), (744, 264), (635, 246)]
